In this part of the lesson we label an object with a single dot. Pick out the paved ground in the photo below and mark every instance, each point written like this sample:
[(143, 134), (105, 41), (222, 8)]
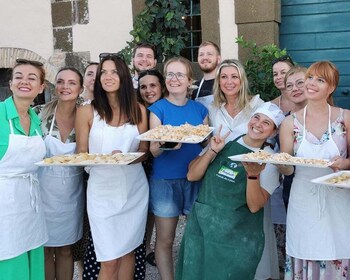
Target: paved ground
[(151, 271)]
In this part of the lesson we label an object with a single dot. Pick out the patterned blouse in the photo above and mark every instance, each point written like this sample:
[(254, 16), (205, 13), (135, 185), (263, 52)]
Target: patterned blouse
[(337, 129), (46, 125)]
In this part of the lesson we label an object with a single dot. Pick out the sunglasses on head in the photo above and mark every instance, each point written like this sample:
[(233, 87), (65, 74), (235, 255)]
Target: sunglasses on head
[(30, 62), (281, 59), (109, 55)]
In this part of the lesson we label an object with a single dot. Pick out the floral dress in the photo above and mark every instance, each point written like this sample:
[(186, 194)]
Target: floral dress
[(300, 269)]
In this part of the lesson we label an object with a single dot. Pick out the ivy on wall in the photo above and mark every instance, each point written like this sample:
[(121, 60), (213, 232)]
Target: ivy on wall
[(259, 68), (162, 25)]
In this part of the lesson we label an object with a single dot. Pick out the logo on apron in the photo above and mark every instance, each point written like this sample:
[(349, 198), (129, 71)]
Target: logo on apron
[(227, 172)]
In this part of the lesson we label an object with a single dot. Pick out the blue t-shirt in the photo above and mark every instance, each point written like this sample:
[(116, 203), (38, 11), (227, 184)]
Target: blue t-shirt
[(174, 164)]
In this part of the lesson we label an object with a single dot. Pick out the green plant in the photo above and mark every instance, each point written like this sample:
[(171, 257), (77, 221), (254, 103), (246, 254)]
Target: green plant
[(160, 24), (259, 68)]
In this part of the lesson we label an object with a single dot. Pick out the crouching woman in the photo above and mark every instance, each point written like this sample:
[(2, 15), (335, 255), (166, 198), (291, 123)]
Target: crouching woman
[(224, 237)]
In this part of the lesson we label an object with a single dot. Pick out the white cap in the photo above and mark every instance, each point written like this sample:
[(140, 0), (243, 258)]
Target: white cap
[(272, 111)]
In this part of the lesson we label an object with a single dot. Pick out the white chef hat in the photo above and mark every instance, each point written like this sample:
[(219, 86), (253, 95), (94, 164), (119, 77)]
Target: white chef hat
[(272, 111)]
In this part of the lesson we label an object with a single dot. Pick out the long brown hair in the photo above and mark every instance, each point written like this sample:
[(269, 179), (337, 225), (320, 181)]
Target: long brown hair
[(126, 96)]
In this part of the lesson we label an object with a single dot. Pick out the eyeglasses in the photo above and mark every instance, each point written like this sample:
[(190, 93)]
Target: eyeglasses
[(178, 75), (298, 84), (109, 55), (281, 59), (30, 62)]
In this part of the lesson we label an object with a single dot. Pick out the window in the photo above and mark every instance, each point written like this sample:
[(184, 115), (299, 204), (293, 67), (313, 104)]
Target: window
[(193, 24)]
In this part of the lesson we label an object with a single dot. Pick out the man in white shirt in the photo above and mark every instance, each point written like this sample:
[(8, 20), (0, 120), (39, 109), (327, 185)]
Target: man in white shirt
[(144, 57), (208, 60)]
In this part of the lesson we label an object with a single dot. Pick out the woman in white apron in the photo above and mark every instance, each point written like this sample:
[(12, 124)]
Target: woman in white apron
[(117, 196), (318, 224), (22, 223), (61, 187)]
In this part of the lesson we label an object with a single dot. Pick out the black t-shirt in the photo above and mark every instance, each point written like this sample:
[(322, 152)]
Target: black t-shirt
[(205, 90)]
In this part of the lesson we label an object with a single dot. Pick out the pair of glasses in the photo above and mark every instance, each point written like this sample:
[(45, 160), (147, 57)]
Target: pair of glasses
[(178, 75), (30, 62), (298, 84), (281, 59), (108, 55)]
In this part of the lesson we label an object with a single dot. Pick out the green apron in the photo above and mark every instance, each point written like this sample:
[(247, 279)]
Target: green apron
[(222, 239)]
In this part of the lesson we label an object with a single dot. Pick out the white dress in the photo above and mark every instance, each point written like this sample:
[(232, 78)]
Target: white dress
[(117, 196)]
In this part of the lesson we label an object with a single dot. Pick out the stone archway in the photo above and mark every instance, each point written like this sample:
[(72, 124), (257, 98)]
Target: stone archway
[(8, 58)]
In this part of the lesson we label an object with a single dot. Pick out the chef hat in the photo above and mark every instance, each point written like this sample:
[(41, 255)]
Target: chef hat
[(272, 111)]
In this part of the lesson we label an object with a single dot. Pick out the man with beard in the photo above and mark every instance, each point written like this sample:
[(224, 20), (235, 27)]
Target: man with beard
[(144, 57), (208, 60)]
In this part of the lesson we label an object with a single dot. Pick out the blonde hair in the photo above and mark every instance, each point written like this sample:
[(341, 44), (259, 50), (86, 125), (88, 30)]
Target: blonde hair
[(244, 92), (294, 70)]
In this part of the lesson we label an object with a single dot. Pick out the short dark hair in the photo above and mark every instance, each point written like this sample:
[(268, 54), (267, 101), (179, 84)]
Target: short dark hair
[(89, 64), (284, 58), (147, 46), (151, 72)]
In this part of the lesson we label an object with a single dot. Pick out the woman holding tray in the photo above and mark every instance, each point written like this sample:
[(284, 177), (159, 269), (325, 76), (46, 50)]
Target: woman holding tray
[(318, 243), (22, 221), (232, 109), (61, 187), (117, 196), (224, 236), (171, 195)]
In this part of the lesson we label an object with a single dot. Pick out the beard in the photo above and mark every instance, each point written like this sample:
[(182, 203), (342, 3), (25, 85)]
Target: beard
[(208, 68)]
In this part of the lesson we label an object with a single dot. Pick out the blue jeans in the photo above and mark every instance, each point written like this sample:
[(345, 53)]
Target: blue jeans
[(172, 197)]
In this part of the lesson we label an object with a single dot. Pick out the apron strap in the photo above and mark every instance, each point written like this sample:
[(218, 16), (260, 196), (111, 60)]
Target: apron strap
[(53, 121), (33, 187), (199, 88)]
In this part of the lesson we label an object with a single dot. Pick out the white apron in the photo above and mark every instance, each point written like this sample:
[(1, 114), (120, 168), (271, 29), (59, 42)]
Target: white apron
[(318, 220), (204, 100), (62, 195), (117, 196), (22, 222)]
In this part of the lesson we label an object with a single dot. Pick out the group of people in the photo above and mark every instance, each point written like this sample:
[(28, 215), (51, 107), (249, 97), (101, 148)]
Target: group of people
[(52, 216)]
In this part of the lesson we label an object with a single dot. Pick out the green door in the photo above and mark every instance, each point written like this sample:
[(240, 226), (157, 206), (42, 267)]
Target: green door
[(313, 30)]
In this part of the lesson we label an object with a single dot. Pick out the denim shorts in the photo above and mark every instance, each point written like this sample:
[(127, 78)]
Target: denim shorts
[(172, 197)]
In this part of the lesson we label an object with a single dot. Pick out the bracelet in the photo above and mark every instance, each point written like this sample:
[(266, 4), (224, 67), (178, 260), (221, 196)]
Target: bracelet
[(213, 150), (253, 177)]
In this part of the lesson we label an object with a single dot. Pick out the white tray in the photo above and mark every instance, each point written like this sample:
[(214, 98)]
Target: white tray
[(241, 158), (134, 157), (323, 180), (144, 137)]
